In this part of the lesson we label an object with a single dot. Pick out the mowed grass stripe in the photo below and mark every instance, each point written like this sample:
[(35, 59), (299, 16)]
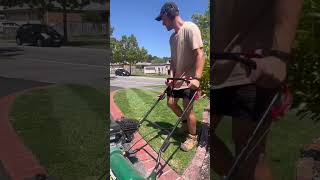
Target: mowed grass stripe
[(68, 129), (149, 98), (79, 138), (163, 116), (81, 151), (121, 96), (166, 118), (136, 104)]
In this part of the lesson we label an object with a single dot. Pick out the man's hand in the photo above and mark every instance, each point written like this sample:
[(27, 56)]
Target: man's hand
[(270, 72), (169, 83), (194, 84)]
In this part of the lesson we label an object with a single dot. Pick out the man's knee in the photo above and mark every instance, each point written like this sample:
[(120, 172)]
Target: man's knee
[(172, 104)]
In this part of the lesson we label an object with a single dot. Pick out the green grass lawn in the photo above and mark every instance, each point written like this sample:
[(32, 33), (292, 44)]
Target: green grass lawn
[(135, 102), (5, 39), (287, 137), (90, 41), (65, 127)]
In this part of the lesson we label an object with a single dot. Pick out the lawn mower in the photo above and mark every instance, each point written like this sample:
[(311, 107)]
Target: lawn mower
[(279, 104), (121, 136)]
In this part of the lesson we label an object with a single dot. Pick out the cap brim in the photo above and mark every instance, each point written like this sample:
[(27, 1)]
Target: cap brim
[(158, 18)]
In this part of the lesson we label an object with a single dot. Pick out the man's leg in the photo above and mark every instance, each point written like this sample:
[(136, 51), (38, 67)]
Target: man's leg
[(173, 105), (191, 117), (192, 138), (241, 131), (221, 159), (263, 170)]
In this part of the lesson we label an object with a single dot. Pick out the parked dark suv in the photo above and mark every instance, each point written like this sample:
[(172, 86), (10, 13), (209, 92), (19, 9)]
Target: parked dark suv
[(122, 72), (38, 34)]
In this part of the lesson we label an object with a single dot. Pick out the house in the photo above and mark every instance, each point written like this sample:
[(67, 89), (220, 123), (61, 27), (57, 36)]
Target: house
[(156, 69), (142, 68), (163, 69)]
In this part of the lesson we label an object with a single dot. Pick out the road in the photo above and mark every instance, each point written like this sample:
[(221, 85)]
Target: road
[(64, 65), (75, 65), (135, 82)]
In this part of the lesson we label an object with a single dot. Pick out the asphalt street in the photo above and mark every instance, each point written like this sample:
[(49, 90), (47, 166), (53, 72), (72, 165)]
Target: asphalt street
[(135, 81), (10, 85), (75, 65)]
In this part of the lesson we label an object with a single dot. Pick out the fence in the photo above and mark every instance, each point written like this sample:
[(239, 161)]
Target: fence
[(8, 32), (134, 70), (76, 29)]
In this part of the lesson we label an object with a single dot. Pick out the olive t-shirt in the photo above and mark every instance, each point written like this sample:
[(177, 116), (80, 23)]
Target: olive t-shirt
[(183, 59)]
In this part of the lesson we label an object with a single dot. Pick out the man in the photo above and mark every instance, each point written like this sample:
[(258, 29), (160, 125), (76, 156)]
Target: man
[(187, 61), (249, 26)]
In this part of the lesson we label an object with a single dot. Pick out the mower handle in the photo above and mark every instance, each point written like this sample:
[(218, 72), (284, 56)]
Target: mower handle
[(240, 57), (178, 79), (165, 145)]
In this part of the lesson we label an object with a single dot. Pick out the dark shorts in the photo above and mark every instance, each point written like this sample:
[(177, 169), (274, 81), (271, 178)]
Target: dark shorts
[(181, 93), (242, 102)]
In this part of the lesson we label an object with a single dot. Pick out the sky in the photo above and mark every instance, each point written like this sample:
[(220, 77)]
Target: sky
[(137, 17)]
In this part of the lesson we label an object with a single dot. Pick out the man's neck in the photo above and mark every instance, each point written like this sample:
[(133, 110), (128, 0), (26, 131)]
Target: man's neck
[(178, 24)]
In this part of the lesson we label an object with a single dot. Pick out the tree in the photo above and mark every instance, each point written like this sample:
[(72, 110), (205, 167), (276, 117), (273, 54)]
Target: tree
[(202, 20), (127, 50), (116, 50), (304, 69)]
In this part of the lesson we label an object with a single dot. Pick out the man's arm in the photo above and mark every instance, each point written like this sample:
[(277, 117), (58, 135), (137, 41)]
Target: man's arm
[(271, 72), (200, 60), (171, 70), (287, 18)]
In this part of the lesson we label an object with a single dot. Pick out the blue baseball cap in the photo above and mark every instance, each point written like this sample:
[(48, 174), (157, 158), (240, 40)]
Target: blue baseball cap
[(169, 8)]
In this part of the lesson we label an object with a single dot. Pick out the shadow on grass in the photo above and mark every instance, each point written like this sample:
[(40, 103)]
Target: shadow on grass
[(162, 129)]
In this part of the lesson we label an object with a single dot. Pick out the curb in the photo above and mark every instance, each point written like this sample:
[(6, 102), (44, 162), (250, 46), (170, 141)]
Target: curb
[(17, 159), (193, 170), (115, 111), (148, 156)]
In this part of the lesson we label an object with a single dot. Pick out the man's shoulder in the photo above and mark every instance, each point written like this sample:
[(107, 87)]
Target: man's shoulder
[(190, 25)]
